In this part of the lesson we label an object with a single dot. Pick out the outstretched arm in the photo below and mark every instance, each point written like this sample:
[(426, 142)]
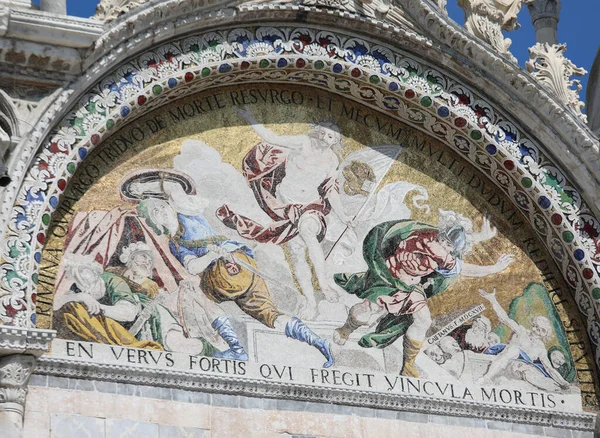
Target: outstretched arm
[(122, 311), (64, 298), (469, 270), (196, 265), (284, 141), (502, 315)]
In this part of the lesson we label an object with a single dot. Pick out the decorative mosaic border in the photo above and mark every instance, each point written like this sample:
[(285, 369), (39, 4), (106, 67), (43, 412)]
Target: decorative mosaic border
[(289, 391), (375, 75)]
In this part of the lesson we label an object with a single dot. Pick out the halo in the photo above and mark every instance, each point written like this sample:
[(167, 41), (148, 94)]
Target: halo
[(154, 176)]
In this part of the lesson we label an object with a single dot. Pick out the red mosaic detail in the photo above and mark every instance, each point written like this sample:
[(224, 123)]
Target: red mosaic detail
[(189, 77), (588, 274), (41, 238), (410, 94), (301, 63), (142, 100), (355, 73), (55, 148), (509, 164), (460, 122), (245, 65), (556, 219), (95, 139), (62, 185)]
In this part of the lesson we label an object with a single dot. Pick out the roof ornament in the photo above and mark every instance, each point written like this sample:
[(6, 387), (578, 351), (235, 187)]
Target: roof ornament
[(109, 10), (549, 67), (442, 5), (486, 19)]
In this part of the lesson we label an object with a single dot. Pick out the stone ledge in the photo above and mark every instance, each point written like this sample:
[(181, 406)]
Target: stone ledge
[(267, 404), (231, 388), (42, 27), (30, 341)]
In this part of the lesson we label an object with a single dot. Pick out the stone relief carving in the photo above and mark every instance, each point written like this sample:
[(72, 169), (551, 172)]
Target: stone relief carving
[(14, 373), (19, 350), (109, 10), (549, 66), (486, 19)]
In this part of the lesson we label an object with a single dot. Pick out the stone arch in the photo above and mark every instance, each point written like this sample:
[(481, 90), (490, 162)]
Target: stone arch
[(364, 69), (8, 121)]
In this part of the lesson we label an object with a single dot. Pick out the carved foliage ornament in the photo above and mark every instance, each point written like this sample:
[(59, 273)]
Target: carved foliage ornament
[(109, 10), (14, 374), (486, 19), (549, 66)]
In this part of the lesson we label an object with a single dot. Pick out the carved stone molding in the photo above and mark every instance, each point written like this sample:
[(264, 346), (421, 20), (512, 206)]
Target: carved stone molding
[(549, 66), (23, 341), (486, 19), (280, 390), (15, 371)]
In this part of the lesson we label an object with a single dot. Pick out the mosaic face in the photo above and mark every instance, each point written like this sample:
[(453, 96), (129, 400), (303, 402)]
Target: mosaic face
[(286, 233)]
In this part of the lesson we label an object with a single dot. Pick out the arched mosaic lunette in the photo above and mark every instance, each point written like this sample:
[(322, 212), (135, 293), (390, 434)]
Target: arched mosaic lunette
[(373, 74)]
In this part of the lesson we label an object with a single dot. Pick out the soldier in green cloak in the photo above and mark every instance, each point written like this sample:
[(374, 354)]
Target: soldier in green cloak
[(408, 262)]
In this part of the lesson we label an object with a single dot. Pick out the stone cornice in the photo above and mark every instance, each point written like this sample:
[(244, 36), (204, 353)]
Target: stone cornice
[(42, 48), (28, 341), (42, 27), (255, 388)]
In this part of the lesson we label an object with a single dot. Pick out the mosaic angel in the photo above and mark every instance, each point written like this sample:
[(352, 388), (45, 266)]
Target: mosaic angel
[(293, 178)]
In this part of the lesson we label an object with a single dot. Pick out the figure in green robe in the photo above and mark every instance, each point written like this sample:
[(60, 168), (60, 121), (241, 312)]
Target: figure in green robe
[(408, 262)]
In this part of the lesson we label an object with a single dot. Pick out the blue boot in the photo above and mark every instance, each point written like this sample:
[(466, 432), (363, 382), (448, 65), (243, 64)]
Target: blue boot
[(225, 330), (296, 329)]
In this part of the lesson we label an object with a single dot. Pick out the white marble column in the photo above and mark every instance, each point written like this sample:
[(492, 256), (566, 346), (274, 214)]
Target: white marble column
[(58, 7), (19, 349), (544, 17)]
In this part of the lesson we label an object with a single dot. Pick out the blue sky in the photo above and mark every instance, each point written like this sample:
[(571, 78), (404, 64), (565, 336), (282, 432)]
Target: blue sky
[(577, 27)]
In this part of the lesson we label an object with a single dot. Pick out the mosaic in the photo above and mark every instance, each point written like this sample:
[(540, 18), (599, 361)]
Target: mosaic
[(289, 234)]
